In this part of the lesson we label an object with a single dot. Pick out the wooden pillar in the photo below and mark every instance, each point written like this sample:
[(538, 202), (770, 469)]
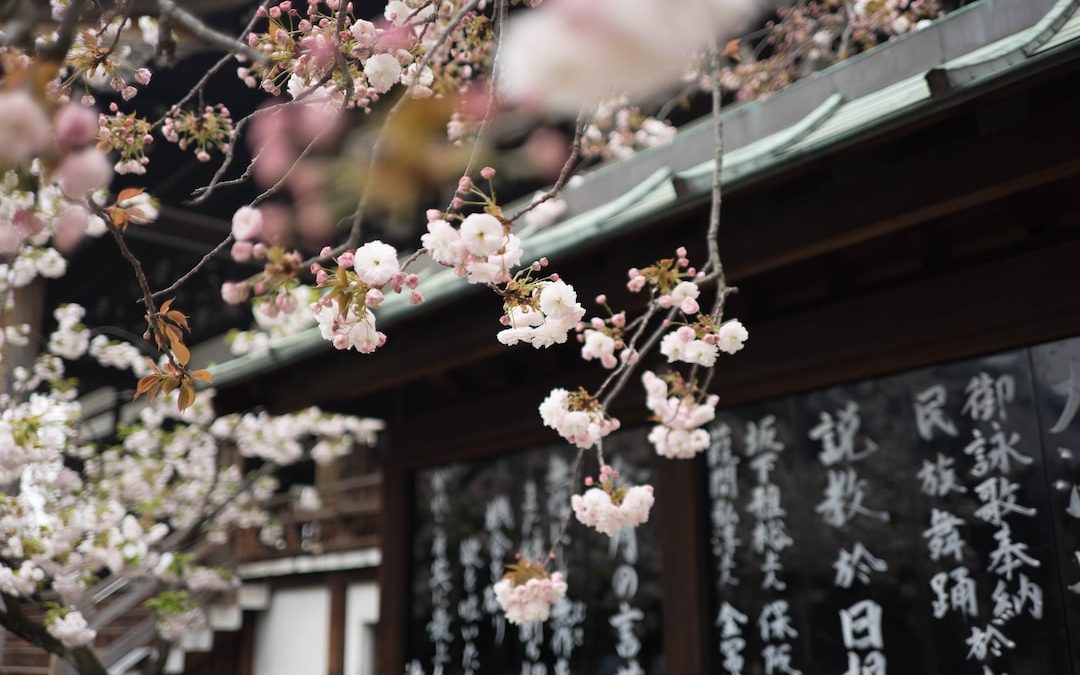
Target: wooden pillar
[(336, 643), (680, 503), (394, 572)]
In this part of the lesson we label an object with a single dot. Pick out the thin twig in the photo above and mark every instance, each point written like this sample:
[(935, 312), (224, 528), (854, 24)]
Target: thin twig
[(201, 194), (500, 23), (339, 56), (568, 165), (569, 516), (210, 255), (208, 34), (645, 349)]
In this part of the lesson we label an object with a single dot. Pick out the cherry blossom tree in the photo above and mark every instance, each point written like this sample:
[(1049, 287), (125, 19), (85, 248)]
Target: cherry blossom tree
[(153, 505)]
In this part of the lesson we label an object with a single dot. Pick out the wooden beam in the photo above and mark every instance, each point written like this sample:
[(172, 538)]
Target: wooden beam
[(1026, 299), (930, 185)]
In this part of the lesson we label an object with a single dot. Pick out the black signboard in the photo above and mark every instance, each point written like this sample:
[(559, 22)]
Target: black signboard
[(912, 524), (472, 519), (926, 523)]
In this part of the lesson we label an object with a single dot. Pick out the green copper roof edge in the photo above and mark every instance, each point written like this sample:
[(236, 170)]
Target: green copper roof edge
[(445, 286)]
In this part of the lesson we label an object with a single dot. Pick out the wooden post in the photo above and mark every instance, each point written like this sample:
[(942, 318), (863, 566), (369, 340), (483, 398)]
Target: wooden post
[(686, 592), (394, 572), (336, 643)]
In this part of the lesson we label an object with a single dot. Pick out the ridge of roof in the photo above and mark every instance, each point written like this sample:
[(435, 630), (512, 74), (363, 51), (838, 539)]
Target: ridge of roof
[(811, 117)]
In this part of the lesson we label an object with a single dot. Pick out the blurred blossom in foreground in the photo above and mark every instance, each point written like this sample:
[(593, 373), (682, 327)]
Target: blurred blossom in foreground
[(637, 46)]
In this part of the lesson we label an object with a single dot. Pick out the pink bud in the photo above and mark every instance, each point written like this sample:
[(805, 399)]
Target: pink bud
[(464, 184), (315, 267), (326, 250), (601, 299), (685, 333), (241, 251), (456, 203), (597, 322), (412, 280), (259, 251), (321, 277), (683, 262), (544, 262), (665, 301), (487, 172), (633, 273), (619, 319), (373, 298), (142, 76), (345, 260), (689, 306), (681, 251), (416, 297), (396, 280), (75, 125), (555, 276), (433, 215), (234, 293)]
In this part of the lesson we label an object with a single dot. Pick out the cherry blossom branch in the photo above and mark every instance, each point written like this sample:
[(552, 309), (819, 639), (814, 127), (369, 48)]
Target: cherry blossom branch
[(715, 266), (500, 24), (273, 189), (180, 281), (206, 33), (355, 229), (339, 56), (13, 619), (200, 86), (201, 194), (568, 165), (557, 542), (629, 368)]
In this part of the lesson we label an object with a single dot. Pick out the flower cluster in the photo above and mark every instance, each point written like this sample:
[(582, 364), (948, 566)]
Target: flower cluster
[(345, 313), (603, 337), (540, 312), (481, 250), (679, 415), (809, 36), (213, 128), (577, 417), (619, 130), (71, 338), (69, 627), (306, 48), (701, 342), (610, 508), (527, 592), (101, 62), (275, 319), (127, 135)]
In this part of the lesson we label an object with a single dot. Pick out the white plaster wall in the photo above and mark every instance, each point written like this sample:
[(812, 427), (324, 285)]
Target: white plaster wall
[(292, 635), (361, 616)]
